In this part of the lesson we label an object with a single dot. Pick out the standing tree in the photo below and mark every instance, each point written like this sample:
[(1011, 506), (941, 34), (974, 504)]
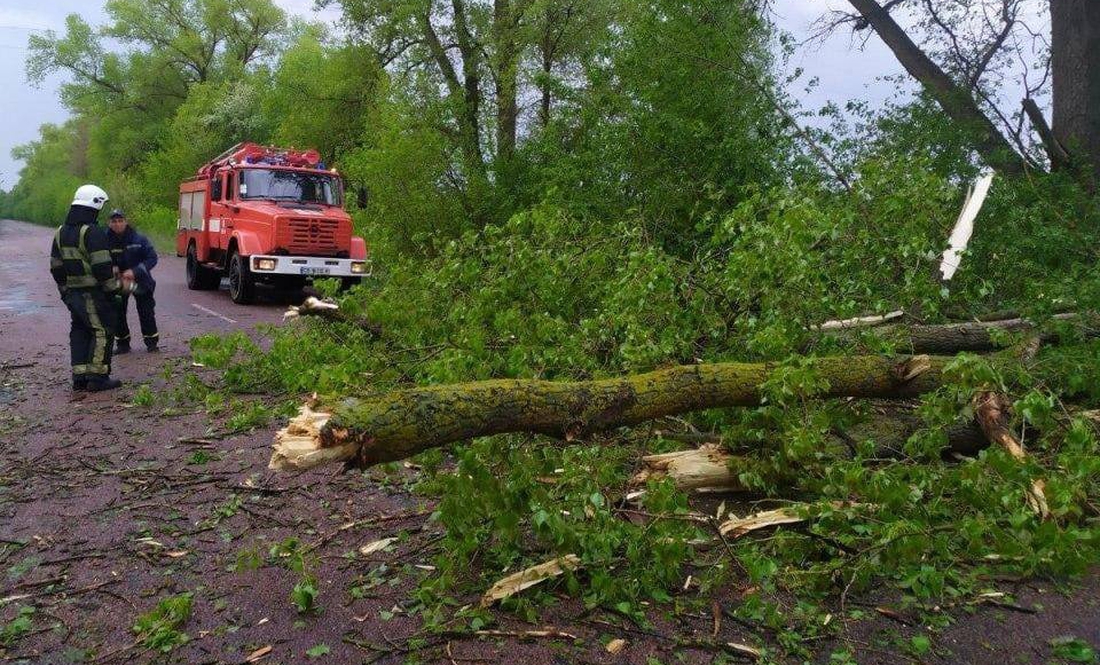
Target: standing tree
[(1075, 60), (962, 52)]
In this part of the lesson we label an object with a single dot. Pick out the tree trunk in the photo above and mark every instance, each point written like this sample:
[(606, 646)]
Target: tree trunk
[(504, 33), (403, 423), (1075, 66), (955, 99)]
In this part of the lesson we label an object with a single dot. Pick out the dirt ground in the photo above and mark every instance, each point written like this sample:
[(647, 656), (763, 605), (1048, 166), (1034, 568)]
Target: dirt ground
[(107, 507)]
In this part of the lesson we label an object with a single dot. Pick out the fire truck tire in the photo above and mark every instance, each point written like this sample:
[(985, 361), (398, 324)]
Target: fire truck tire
[(242, 285), (199, 277), (348, 282)]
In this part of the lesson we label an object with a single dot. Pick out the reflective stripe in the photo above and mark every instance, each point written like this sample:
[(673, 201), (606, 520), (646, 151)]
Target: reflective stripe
[(111, 285), (78, 253), (80, 369), (101, 256), (80, 281), (99, 352)]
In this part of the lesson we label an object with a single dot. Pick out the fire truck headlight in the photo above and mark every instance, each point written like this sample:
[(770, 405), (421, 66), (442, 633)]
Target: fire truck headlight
[(358, 267), (263, 264)]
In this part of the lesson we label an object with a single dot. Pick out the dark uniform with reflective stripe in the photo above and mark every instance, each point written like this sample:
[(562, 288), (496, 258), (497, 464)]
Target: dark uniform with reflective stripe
[(81, 265), (132, 251)]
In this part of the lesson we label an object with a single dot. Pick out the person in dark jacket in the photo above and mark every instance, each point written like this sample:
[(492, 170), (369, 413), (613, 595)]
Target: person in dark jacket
[(81, 265), (134, 257)]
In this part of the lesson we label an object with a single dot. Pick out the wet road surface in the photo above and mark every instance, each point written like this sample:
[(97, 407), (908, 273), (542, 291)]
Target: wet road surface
[(35, 324)]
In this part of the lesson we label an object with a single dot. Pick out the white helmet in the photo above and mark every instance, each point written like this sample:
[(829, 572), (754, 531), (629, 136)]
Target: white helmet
[(90, 196)]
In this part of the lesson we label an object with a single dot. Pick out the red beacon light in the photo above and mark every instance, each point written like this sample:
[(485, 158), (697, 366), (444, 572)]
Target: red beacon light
[(252, 153)]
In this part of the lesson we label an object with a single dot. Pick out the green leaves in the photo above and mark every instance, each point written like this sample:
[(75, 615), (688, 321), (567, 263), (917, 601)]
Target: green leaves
[(1073, 649), (19, 626), (304, 595), (159, 628)]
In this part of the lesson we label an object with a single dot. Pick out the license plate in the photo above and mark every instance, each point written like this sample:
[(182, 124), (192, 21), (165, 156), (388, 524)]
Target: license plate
[(314, 271)]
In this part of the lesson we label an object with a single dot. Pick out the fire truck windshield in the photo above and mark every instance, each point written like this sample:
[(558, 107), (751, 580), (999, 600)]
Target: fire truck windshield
[(280, 185)]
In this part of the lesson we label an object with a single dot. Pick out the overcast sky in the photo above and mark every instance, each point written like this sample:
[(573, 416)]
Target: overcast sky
[(844, 71)]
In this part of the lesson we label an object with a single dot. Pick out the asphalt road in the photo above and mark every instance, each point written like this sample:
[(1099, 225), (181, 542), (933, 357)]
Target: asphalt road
[(35, 324)]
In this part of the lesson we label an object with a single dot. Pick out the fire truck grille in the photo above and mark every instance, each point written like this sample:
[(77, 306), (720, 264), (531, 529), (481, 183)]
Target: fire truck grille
[(315, 236)]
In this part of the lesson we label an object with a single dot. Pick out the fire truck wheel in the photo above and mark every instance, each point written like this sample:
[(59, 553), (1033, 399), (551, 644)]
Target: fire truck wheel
[(242, 286), (199, 277)]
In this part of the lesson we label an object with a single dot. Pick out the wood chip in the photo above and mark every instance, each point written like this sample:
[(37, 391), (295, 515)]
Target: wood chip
[(376, 546), (745, 649), (616, 645), (529, 577), (258, 654)]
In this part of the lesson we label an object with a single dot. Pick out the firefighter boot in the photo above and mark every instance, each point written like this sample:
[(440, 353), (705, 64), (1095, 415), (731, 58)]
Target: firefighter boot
[(100, 383)]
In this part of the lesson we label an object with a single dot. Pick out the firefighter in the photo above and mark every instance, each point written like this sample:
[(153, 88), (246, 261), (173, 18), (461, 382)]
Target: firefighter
[(81, 265), (134, 256)]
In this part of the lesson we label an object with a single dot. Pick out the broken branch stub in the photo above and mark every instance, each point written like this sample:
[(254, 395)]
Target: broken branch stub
[(403, 423)]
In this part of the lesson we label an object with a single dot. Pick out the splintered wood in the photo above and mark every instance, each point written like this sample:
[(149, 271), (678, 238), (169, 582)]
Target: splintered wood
[(738, 527), (528, 578), (991, 410), (297, 445), (704, 469)]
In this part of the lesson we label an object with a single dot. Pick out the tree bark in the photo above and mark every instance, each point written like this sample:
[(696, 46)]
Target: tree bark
[(1075, 67), (403, 423), (507, 56), (954, 99), (969, 336)]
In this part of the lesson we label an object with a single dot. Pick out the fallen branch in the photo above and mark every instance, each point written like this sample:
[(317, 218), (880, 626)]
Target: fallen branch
[(712, 468), (737, 527), (330, 311), (529, 577), (404, 423), (991, 411), (968, 336), (860, 321)]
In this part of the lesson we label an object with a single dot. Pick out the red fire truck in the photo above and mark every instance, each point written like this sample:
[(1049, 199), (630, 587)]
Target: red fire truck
[(267, 215)]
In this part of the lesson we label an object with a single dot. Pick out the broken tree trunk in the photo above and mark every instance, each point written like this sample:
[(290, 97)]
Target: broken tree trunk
[(968, 336), (403, 423)]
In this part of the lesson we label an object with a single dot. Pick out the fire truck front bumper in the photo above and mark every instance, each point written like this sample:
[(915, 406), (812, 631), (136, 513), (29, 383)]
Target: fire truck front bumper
[(307, 266)]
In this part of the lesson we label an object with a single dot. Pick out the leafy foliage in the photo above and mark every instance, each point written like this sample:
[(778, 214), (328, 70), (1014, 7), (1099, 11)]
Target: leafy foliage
[(652, 209), (159, 628)]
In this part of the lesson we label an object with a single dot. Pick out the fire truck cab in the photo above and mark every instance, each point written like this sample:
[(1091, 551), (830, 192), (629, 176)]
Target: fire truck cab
[(263, 215)]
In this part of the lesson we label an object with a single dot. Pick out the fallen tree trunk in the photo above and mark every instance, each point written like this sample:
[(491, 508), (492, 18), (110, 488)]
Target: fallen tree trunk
[(403, 423), (969, 336)]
